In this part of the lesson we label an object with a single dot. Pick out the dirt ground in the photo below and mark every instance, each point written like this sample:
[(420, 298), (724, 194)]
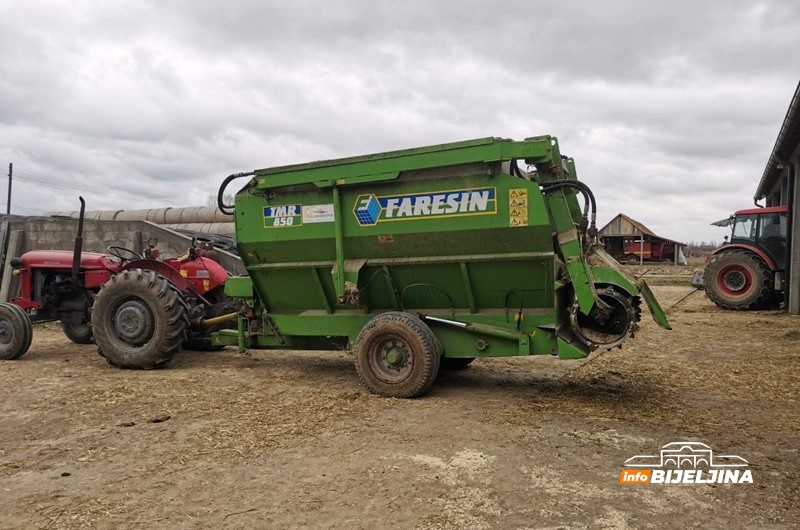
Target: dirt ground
[(291, 440)]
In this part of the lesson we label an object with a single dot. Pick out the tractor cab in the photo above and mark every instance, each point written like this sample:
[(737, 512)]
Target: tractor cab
[(763, 229)]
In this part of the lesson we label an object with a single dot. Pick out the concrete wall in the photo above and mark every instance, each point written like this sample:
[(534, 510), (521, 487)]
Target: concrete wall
[(779, 195), (793, 284), (19, 235)]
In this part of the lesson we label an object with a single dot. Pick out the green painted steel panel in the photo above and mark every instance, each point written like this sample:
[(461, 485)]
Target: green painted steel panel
[(239, 287), (447, 231)]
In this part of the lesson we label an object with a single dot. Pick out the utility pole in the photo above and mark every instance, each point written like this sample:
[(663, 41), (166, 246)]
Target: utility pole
[(10, 172), (641, 249)]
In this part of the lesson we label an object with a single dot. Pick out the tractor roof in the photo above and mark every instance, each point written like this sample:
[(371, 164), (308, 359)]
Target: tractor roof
[(769, 209)]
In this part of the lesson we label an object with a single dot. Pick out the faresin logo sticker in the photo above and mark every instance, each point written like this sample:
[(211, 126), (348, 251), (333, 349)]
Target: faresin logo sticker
[(373, 209)]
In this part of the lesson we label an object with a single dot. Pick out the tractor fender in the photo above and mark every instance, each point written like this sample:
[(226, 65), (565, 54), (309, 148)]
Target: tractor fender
[(750, 248), (161, 268)]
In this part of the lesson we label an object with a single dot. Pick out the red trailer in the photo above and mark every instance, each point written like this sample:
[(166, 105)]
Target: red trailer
[(647, 250)]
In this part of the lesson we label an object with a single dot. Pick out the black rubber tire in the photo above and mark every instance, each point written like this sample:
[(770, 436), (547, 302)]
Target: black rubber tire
[(456, 363), (139, 319), (78, 333), (16, 332), (734, 266), (23, 315), (419, 346)]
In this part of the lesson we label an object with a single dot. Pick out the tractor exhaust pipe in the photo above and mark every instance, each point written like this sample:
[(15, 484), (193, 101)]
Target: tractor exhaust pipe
[(76, 255)]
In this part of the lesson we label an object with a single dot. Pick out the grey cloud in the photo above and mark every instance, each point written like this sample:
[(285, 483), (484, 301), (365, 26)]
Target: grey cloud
[(670, 109)]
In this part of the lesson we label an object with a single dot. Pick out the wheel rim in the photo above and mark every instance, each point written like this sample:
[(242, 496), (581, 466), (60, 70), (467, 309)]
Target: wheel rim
[(735, 280), (6, 332), (132, 322), (391, 361)]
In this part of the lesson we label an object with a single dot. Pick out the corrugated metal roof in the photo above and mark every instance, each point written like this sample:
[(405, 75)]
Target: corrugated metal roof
[(637, 225), (788, 139)]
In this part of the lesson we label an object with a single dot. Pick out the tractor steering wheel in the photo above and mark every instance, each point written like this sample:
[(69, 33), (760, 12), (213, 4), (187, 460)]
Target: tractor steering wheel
[(117, 252)]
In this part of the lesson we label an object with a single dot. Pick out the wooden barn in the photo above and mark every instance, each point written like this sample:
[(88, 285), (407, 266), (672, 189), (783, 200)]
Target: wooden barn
[(629, 241)]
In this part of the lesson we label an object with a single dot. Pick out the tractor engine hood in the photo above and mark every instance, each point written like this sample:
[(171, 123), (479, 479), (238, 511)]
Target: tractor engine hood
[(62, 259)]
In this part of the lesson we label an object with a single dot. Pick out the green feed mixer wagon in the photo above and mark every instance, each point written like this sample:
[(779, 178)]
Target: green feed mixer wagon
[(427, 258)]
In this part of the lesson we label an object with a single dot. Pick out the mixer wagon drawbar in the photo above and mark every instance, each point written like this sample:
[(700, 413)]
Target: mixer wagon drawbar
[(427, 258)]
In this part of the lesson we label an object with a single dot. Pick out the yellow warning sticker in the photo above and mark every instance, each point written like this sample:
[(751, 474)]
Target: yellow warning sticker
[(518, 207)]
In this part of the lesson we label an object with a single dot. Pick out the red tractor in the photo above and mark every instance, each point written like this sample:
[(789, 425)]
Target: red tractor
[(749, 271), (138, 309)]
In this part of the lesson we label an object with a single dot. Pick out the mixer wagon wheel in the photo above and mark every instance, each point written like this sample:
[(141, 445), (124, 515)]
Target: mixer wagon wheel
[(77, 333), (397, 355), (139, 320), (16, 332)]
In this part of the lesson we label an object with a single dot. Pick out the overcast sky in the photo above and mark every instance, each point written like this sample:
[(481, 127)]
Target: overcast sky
[(670, 109)]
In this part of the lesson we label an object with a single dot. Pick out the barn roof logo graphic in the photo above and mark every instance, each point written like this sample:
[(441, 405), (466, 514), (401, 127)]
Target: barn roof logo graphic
[(680, 454), (686, 463)]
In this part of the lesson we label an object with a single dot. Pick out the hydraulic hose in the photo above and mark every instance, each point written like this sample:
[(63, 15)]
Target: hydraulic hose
[(588, 196), (515, 168), (228, 209)]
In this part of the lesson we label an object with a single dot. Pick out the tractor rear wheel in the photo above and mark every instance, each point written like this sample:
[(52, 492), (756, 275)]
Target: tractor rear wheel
[(397, 355), (16, 332), (139, 320), (77, 333), (738, 280)]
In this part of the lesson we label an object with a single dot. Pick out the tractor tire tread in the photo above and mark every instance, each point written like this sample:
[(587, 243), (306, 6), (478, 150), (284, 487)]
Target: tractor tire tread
[(21, 331), (78, 336), (166, 303), (763, 280)]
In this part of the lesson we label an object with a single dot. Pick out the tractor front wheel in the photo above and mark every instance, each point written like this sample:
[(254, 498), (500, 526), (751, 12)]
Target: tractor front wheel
[(139, 319), (738, 280), (16, 332), (397, 355), (77, 333)]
